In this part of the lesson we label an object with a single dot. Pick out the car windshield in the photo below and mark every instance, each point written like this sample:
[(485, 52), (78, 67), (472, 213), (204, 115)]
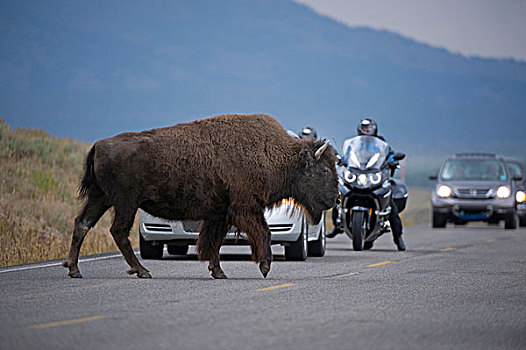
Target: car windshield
[(364, 152), (474, 170), (514, 170)]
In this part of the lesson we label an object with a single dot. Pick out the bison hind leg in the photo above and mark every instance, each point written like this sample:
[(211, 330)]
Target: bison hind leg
[(92, 211), (211, 235), (120, 230)]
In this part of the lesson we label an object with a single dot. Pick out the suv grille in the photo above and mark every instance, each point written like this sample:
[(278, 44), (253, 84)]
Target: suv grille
[(193, 226), (158, 227), (280, 228), (474, 193)]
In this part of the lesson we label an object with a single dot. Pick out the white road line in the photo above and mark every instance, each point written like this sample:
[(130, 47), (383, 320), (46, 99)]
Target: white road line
[(347, 274), (58, 263)]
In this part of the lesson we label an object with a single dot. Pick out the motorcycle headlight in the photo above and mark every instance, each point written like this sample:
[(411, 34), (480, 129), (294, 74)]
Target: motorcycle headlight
[(350, 176), (520, 196), (375, 178), (362, 179), (503, 192), (443, 191)]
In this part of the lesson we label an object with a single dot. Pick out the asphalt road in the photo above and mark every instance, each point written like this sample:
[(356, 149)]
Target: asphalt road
[(461, 288)]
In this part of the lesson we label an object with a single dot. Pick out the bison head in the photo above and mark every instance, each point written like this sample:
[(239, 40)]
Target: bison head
[(317, 180)]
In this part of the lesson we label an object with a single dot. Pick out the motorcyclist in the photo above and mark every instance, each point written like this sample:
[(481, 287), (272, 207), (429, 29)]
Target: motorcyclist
[(369, 127), (308, 133)]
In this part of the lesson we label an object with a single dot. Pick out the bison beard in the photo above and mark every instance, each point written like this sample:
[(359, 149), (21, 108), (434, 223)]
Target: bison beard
[(224, 170)]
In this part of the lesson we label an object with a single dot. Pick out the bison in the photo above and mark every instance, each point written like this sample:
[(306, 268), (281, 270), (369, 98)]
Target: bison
[(224, 171)]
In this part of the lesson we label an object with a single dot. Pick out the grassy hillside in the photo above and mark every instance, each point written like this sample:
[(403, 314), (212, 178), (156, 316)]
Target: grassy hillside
[(39, 175)]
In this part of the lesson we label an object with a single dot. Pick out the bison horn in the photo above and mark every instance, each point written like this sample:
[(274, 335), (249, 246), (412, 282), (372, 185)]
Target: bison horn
[(320, 150)]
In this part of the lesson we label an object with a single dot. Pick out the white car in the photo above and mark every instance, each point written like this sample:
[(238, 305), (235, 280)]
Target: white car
[(288, 227)]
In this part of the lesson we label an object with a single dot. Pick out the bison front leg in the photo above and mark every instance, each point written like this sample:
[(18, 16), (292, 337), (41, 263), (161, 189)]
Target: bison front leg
[(264, 263), (120, 230), (259, 238), (211, 235)]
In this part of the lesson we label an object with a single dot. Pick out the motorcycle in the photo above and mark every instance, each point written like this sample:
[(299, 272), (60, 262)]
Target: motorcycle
[(366, 188)]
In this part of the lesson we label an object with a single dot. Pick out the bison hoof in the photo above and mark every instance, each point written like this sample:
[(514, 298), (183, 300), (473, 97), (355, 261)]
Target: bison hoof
[(144, 275), (264, 267), (75, 275), (218, 274)]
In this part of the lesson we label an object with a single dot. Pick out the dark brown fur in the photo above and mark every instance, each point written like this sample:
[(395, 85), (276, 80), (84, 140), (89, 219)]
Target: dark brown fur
[(223, 170)]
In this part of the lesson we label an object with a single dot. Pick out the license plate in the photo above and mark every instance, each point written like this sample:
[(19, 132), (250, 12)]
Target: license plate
[(473, 217)]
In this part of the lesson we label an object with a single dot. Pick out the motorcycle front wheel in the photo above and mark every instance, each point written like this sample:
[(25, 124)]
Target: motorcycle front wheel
[(357, 230)]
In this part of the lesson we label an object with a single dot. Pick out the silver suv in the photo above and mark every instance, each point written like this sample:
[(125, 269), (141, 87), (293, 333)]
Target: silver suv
[(473, 187), (288, 227), (516, 170)]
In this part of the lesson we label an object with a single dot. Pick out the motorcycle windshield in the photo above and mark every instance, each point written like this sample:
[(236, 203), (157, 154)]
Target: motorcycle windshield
[(365, 152)]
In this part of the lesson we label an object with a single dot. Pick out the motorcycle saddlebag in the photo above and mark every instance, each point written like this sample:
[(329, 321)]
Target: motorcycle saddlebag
[(400, 194)]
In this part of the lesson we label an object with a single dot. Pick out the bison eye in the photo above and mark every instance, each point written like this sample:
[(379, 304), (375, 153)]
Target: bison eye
[(325, 170)]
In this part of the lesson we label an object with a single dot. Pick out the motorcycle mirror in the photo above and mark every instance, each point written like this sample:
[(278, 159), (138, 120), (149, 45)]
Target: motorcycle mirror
[(433, 177), (340, 161), (398, 156)]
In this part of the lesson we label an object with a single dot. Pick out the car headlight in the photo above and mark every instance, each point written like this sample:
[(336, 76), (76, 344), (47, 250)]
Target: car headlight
[(503, 192), (443, 191), (350, 176), (520, 196), (375, 178)]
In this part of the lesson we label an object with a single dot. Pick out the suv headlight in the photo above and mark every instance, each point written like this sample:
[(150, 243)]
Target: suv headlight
[(520, 196), (503, 192), (443, 191)]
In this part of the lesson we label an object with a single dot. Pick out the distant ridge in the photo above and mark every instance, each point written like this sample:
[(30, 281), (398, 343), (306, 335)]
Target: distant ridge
[(93, 69)]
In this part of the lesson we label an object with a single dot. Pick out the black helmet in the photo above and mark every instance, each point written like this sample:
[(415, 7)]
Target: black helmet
[(367, 127), (308, 132)]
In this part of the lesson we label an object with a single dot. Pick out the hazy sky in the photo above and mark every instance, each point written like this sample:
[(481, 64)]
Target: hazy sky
[(488, 28)]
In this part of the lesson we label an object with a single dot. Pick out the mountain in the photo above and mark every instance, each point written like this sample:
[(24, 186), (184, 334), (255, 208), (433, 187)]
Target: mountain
[(91, 69)]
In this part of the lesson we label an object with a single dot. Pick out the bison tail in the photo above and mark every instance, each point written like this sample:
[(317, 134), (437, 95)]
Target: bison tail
[(87, 179)]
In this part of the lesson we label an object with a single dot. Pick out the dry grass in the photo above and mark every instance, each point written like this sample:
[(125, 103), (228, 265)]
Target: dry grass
[(418, 208), (39, 175)]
